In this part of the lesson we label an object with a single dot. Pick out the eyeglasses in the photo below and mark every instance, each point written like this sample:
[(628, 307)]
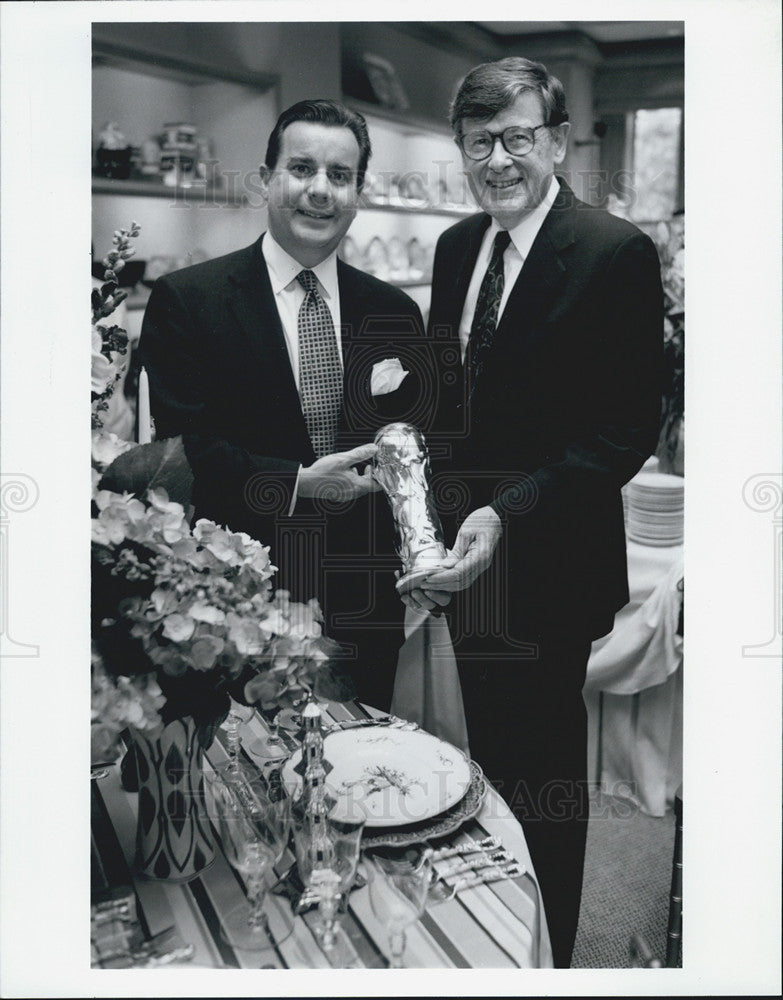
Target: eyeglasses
[(516, 140)]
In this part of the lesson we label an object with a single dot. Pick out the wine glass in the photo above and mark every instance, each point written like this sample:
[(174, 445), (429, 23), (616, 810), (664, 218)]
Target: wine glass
[(398, 886), (254, 823), (237, 715), (327, 852), (273, 747)]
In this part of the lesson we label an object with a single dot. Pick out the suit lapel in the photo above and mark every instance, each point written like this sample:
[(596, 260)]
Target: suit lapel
[(353, 308), (252, 302), (544, 269)]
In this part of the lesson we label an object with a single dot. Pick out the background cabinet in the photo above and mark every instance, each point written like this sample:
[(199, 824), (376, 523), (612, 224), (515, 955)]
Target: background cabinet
[(141, 94)]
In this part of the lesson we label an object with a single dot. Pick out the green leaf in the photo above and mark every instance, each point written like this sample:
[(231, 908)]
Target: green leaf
[(161, 465)]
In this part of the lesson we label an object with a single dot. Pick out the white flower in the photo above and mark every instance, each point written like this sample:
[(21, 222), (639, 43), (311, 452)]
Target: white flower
[(106, 447), (178, 628), (245, 634), (203, 612)]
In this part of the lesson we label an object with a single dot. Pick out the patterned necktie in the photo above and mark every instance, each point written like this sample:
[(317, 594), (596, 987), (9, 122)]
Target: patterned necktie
[(320, 373), (485, 318)]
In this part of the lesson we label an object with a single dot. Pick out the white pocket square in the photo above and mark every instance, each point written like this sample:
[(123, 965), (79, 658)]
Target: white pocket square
[(387, 375)]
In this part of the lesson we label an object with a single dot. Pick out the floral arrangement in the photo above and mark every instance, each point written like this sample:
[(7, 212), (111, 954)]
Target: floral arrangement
[(671, 247), (109, 342), (182, 617)]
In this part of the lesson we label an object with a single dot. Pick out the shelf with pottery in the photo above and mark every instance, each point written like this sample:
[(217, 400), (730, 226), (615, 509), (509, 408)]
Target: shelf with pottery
[(223, 115)]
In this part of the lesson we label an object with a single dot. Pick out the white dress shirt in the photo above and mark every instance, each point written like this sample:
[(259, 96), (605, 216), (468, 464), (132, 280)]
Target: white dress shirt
[(289, 294), (522, 238)]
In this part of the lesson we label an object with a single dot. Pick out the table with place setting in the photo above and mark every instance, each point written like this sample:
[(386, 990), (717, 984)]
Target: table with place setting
[(477, 903)]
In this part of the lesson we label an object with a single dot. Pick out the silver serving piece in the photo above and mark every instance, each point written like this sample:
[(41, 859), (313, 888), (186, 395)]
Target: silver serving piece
[(401, 466)]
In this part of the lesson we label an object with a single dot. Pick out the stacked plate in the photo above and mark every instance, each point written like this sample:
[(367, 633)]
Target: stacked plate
[(653, 504), (410, 784)]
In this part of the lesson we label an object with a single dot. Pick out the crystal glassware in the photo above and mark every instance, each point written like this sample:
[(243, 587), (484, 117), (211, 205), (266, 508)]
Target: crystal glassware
[(237, 716), (398, 886), (327, 851), (254, 821), (273, 747)]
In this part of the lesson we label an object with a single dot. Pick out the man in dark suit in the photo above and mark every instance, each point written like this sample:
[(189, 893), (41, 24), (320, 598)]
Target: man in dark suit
[(557, 311), (263, 360)]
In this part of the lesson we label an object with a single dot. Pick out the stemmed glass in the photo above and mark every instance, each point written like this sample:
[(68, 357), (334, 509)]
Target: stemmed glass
[(398, 888), (273, 747), (254, 822), (327, 853), (237, 715)]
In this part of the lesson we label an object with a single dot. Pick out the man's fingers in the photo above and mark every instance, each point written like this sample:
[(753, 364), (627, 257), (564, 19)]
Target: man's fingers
[(369, 482), (460, 577), (441, 597), (420, 600), (345, 459), (447, 579)]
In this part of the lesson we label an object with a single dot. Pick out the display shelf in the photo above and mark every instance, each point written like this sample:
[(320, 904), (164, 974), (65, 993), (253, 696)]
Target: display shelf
[(168, 66), (418, 208), (406, 122), (152, 189)]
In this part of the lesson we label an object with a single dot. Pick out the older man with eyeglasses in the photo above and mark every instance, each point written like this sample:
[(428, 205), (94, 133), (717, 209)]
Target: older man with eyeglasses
[(555, 312)]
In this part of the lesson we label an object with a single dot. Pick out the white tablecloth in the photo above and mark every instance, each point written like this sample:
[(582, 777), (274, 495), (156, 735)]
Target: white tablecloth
[(633, 690)]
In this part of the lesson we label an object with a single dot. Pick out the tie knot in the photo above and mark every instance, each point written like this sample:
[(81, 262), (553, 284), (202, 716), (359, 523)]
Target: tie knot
[(307, 280), (502, 240)]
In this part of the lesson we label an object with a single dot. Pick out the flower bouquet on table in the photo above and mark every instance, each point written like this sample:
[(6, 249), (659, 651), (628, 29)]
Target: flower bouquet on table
[(192, 612), (181, 618)]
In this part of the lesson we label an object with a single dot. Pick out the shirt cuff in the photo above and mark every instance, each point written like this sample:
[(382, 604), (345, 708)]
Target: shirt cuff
[(294, 493)]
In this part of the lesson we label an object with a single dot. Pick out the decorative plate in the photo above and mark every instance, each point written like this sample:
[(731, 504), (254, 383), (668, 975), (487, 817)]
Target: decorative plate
[(398, 776), (439, 826)]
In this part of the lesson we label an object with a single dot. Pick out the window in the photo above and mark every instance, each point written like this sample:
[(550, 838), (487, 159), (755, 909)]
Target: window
[(654, 142)]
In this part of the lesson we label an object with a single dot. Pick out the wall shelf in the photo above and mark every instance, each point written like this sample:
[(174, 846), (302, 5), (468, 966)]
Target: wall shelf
[(198, 193), (418, 208), (168, 66)]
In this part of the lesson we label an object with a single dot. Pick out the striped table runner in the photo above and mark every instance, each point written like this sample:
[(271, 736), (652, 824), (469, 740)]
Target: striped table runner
[(500, 925)]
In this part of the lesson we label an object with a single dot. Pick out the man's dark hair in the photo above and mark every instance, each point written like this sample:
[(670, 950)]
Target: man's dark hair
[(493, 87), (322, 112)]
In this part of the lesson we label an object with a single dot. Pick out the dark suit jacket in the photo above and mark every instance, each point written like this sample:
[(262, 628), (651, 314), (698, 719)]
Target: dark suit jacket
[(565, 412), (220, 375)]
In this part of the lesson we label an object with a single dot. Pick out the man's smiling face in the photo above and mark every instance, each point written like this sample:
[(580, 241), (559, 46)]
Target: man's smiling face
[(509, 187), (311, 191)]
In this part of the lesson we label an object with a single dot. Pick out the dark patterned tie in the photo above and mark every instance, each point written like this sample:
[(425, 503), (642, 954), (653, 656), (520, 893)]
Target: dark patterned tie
[(485, 318), (320, 373)]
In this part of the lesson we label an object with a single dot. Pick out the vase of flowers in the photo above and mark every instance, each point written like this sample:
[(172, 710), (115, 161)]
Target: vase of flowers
[(181, 619)]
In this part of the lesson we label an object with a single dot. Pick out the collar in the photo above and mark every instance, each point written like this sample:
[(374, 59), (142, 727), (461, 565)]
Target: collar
[(283, 268), (524, 233)]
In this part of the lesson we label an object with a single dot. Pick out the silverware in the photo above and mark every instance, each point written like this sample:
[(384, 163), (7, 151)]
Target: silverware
[(441, 892), (475, 863), (472, 847)]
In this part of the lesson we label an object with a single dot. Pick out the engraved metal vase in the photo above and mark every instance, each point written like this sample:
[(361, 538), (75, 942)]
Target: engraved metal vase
[(401, 466)]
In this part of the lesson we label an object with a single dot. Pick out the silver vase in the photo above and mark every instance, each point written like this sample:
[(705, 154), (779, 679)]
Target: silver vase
[(401, 466)]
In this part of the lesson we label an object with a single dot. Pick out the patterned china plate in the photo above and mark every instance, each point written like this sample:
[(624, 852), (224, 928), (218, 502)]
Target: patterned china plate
[(443, 825), (398, 776)]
